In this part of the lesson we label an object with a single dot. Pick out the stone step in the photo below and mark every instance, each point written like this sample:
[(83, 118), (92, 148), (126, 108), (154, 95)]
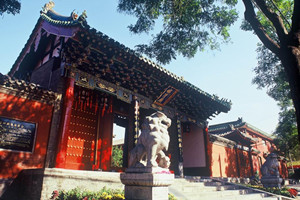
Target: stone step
[(271, 198), (214, 183), (254, 196), (226, 196), (204, 189), (198, 183), (188, 188), (220, 193)]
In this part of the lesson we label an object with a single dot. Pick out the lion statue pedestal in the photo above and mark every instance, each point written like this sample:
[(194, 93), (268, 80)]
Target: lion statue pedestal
[(270, 172), (148, 175)]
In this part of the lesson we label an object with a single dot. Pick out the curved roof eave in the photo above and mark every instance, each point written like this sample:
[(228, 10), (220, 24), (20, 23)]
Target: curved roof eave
[(25, 48), (223, 105)]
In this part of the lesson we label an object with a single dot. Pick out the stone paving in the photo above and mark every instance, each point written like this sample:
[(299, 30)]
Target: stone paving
[(207, 189)]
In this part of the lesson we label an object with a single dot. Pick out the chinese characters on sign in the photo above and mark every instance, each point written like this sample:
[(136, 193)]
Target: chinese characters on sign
[(166, 96), (17, 135)]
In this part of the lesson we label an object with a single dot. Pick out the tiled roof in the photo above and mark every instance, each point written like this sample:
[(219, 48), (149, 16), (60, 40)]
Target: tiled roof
[(54, 18), (190, 99), (23, 87), (224, 127)]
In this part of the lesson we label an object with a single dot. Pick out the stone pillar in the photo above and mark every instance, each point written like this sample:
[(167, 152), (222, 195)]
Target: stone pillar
[(146, 186), (148, 175)]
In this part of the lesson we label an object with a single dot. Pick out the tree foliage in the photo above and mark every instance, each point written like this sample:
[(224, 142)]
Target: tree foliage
[(270, 74), (10, 7), (187, 25), (191, 25), (117, 156), (286, 134)]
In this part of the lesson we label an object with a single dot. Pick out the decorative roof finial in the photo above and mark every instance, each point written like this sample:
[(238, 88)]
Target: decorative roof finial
[(84, 15), (48, 6), (74, 15), (231, 127)]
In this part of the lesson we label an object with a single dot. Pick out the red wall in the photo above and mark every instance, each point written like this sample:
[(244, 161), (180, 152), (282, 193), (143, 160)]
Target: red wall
[(229, 162), (244, 163), (11, 163), (223, 161), (193, 148)]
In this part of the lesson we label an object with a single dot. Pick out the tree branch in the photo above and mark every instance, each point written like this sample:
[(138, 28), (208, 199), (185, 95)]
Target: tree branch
[(296, 17), (250, 16), (274, 18)]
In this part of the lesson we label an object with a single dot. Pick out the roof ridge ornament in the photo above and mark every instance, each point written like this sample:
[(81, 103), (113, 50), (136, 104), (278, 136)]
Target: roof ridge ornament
[(48, 6), (83, 16), (74, 15), (231, 127)]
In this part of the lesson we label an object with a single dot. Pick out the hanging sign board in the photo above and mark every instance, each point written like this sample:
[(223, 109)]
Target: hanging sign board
[(166, 96), (17, 135)]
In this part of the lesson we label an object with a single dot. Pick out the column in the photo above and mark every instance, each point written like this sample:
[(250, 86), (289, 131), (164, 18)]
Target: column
[(208, 149), (251, 161), (65, 122), (237, 161), (136, 120), (179, 136), (106, 136)]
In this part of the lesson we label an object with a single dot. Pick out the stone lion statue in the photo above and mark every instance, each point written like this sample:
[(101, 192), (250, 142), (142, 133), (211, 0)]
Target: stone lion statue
[(270, 167), (154, 138)]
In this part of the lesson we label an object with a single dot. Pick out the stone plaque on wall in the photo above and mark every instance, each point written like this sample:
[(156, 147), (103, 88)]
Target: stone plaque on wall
[(17, 135)]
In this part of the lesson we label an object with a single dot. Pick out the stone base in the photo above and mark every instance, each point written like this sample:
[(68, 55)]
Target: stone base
[(146, 192), (269, 182), (152, 170), (146, 185), (38, 184)]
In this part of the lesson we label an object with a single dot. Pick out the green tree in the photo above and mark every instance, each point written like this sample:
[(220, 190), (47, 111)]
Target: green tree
[(191, 25), (117, 156), (286, 134), (188, 25), (10, 7), (270, 75)]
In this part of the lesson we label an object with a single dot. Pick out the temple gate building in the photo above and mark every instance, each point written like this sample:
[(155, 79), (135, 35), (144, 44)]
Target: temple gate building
[(71, 85), (102, 83)]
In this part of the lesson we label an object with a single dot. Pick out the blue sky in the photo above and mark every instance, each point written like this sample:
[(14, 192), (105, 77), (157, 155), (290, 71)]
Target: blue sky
[(226, 73)]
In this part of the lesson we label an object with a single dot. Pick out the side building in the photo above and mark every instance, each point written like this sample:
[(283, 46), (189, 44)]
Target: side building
[(238, 149)]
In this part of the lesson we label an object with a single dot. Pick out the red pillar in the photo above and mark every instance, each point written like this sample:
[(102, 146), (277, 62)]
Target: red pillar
[(208, 152), (106, 147), (65, 123)]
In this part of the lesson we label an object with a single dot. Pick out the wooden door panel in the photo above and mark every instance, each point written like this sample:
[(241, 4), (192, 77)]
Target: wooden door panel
[(81, 138)]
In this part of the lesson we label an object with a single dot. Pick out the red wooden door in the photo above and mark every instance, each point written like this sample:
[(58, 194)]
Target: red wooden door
[(82, 137)]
